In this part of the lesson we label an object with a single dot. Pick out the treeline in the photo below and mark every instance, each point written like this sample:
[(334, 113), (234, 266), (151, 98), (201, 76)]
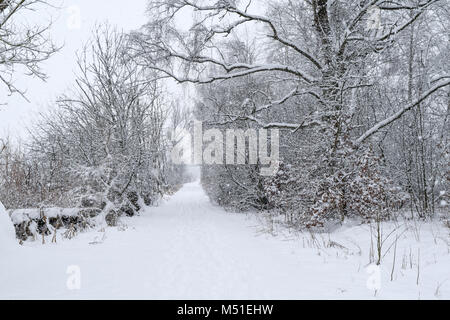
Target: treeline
[(358, 89), (105, 143)]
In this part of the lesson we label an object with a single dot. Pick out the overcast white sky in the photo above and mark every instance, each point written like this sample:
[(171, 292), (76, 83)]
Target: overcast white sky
[(65, 30)]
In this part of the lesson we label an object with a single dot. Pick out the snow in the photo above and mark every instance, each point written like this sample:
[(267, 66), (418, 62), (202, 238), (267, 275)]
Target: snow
[(7, 233), (188, 248)]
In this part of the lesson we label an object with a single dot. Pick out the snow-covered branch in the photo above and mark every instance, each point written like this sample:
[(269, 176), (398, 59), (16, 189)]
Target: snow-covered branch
[(399, 113)]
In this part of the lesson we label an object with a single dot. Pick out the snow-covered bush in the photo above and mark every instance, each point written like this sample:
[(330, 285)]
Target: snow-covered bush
[(328, 92)]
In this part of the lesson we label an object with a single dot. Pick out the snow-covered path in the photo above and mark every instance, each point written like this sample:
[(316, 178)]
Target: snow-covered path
[(188, 248)]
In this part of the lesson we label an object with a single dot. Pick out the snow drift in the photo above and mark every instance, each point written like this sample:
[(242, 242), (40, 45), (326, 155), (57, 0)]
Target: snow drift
[(7, 233)]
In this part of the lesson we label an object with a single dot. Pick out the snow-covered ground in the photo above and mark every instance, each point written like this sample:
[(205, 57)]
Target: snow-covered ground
[(188, 248)]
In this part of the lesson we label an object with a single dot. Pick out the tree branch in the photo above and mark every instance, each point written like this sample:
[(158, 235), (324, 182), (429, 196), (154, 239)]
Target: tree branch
[(399, 113)]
